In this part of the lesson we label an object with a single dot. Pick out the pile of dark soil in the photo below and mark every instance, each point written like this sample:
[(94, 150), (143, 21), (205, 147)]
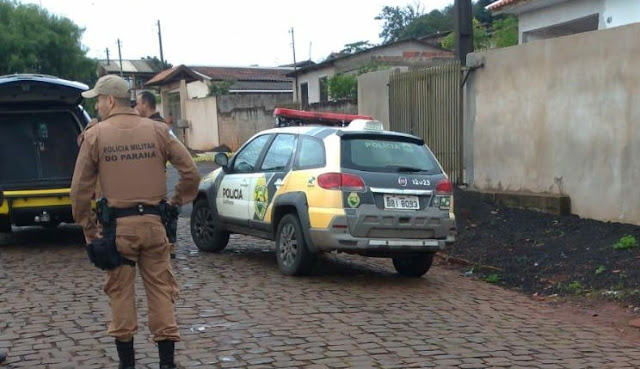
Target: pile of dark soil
[(545, 255)]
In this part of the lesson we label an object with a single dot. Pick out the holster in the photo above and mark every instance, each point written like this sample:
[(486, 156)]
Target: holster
[(103, 252), (169, 215)]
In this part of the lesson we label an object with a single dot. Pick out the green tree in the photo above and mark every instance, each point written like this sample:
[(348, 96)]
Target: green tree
[(219, 88), (343, 86), (480, 13), (505, 31), (480, 38), (356, 47), (34, 41), (396, 19), (429, 24), (158, 63)]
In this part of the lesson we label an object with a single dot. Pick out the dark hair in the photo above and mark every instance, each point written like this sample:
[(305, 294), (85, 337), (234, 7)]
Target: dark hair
[(149, 99)]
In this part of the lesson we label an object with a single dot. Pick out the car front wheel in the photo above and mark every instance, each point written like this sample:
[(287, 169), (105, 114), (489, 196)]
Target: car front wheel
[(205, 232), (413, 266), (294, 258)]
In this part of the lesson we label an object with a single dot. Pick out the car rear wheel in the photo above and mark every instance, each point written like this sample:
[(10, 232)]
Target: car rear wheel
[(294, 258), (413, 266), (205, 232)]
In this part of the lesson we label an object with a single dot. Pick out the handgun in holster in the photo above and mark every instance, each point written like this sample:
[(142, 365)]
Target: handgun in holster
[(103, 251), (169, 214)]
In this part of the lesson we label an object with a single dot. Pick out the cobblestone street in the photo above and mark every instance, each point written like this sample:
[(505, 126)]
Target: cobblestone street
[(236, 310)]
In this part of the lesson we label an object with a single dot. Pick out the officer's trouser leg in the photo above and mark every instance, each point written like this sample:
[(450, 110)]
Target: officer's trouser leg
[(162, 290), (121, 291)]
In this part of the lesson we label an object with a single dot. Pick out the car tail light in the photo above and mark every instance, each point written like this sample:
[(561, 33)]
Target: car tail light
[(340, 181), (442, 199), (444, 187)]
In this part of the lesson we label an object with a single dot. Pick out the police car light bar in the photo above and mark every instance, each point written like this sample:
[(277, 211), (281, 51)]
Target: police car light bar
[(292, 117)]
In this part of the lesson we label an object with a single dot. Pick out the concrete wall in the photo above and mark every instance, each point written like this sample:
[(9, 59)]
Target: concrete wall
[(373, 94), (560, 116), (242, 116), (345, 106), (203, 131)]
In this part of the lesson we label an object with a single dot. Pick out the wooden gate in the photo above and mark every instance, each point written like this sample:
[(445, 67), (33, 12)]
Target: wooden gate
[(428, 103)]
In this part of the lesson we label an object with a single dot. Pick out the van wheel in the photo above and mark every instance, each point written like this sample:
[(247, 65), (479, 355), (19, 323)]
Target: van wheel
[(413, 266), (205, 232), (294, 258)]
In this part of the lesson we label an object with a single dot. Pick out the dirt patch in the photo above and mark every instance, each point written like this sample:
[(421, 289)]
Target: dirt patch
[(559, 259)]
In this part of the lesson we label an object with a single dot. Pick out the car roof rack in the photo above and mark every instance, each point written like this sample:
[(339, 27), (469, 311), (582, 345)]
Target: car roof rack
[(291, 117)]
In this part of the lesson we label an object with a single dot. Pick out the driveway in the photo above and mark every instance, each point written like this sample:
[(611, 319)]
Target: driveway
[(236, 311)]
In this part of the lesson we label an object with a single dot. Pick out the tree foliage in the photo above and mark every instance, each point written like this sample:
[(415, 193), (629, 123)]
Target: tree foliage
[(409, 22), (34, 41), (156, 61), (219, 88), (396, 19), (343, 86), (356, 47)]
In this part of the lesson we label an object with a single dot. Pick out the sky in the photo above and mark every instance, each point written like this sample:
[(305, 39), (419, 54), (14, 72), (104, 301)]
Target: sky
[(228, 32)]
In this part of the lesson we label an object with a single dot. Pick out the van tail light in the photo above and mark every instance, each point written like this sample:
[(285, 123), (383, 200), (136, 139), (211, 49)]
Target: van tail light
[(444, 187), (443, 197), (340, 181)]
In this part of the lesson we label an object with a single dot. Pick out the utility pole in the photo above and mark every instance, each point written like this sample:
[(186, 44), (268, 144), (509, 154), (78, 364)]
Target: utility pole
[(108, 61), (160, 41), (295, 64), (120, 57), (463, 28)]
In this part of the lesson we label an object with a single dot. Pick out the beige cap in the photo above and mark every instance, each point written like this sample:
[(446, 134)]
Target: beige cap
[(109, 85)]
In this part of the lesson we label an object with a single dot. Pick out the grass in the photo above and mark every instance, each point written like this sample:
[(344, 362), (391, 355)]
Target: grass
[(627, 242)]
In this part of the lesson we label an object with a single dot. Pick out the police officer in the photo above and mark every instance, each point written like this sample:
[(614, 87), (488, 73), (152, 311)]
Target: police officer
[(127, 155), (146, 107)]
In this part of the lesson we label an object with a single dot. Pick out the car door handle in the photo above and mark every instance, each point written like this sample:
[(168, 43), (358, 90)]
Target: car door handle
[(244, 184), (278, 183)]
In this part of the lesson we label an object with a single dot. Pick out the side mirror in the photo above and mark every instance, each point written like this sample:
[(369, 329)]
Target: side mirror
[(221, 159)]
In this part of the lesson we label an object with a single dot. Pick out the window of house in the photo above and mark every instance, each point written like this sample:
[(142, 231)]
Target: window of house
[(304, 94)]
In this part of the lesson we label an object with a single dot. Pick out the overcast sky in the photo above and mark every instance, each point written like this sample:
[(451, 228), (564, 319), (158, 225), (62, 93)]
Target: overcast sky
[(227, 32)]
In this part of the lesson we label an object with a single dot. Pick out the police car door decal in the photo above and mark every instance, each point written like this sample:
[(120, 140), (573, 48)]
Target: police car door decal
[(264, 188), (231, 200)]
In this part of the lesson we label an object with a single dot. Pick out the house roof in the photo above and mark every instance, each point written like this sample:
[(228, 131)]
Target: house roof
[(137, 66), (500, 4), (425, 40), (174, 74), (244, 73)]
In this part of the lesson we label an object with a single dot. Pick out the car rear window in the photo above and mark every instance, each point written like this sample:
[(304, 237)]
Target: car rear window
[(37, 146), (387, 155)]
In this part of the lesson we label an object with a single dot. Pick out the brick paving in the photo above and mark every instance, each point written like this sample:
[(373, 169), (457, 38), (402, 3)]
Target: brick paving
[(236, 311)]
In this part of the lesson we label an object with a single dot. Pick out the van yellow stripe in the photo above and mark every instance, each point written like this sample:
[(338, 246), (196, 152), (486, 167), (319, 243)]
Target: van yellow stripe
[(38, 193)]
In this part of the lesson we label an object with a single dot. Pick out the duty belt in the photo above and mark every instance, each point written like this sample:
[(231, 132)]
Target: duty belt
[(139, 209)]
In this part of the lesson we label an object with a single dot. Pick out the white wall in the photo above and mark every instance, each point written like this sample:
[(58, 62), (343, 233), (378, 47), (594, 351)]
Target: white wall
[(612, 13), (620, 12), (198, 89), (203, 132), (561, 116), (313, 79), (558, 13)]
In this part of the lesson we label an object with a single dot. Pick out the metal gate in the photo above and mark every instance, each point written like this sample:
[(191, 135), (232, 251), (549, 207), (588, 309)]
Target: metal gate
[(427, 103)]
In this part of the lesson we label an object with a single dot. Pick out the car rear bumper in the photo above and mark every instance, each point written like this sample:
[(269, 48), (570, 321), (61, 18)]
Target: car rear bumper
[(326, 240)]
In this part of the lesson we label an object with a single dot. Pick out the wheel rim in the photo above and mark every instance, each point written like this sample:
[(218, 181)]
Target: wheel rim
[(288, 245), (203, 226)]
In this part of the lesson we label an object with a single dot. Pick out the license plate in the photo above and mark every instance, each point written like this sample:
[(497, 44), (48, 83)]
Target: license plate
[(401, 202)]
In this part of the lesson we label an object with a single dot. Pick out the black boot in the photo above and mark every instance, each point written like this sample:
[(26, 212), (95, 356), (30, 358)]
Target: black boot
[(165, 351), (126, 355)]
